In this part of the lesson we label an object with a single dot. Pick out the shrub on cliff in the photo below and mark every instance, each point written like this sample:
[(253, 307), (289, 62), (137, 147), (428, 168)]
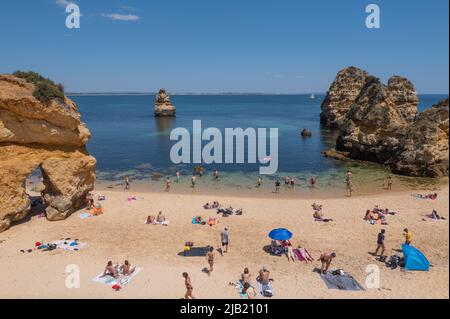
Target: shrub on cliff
[(46, 90)]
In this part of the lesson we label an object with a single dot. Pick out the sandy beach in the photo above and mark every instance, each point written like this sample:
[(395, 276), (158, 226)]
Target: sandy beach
[(120, 233)]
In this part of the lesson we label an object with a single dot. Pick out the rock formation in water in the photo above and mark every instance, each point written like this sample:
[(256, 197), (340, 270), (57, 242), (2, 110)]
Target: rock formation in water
[(341, 96), (306, 133), (163, 106), (423, 149), (49, 136), (381, 124)]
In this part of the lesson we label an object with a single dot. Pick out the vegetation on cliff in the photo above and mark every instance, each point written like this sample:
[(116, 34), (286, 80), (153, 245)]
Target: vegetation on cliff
[(46, 90)]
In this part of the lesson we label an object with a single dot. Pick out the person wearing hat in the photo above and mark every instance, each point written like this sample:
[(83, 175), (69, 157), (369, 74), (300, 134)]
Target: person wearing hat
[(224, 236)]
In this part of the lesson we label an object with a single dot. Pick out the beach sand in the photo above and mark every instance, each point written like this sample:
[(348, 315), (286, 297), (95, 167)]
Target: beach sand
[(120, 233)]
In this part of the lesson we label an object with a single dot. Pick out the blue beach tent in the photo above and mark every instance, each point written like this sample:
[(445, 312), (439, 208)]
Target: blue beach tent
[(414, 259)]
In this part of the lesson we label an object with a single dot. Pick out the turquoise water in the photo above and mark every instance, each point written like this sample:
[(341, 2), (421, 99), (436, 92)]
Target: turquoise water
[(128, 140)]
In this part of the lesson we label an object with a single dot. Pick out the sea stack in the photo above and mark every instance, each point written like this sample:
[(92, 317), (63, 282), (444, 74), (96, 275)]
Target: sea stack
[(41, 128), (163, 106)]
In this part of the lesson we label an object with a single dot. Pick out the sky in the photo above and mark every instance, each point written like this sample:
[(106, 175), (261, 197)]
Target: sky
[(266, 46)]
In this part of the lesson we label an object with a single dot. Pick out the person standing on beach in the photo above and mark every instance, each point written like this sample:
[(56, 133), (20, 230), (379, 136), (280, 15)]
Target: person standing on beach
[(177, 175), (224, 237), (259, 182), (389, 182), (210, 257), (408, 236), (313, 182), (193, 181), (216, 175), (189, 287), (277, 186), (326, 260), (349, 183), (168, 184), (127, 182), (380, 243)]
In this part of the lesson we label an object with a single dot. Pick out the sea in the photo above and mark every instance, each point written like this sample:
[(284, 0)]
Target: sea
[(127, 140)]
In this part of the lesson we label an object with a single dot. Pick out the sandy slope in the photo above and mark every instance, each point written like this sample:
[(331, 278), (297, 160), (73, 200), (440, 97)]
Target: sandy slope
[(121, 234)]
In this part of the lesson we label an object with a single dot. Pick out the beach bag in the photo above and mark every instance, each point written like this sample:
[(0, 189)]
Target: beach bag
[(394, 261), (267, 293)]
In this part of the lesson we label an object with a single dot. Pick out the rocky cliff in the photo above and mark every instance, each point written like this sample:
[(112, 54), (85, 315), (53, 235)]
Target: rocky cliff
[(423, 149), (49, 136), (163, 106), (381, 124), (341, 96)]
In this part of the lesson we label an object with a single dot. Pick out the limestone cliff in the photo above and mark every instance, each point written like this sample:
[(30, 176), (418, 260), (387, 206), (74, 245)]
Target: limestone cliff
[(343, 92), (381, 124), (49, 136), (424, 149)]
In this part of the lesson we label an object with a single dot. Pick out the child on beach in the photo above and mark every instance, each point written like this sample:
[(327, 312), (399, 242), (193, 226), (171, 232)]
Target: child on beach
[(127, 183), (277, 186), (380, 243), (193, 181)]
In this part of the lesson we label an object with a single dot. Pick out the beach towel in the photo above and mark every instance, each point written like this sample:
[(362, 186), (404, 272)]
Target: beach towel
[(164, 223), (302, 257), (195, 252), (195, 222), (240, 287), (122, 280), (265, 290), (341, 282), (69, 245), (85, 215)]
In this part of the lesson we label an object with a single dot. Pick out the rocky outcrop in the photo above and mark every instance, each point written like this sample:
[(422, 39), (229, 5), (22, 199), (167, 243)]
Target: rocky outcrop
[(342, 95), (382, 125), (306, 133), (423, 149), (404, 96), (373, 126), (163, 106), (332, 153), (47, 136)]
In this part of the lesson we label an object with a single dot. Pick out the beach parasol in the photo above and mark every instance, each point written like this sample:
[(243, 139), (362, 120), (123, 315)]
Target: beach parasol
[(280, 234)]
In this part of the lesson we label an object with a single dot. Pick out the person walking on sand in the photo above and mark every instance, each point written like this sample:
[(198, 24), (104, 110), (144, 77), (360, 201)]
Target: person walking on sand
[(277, 186), (193, 181), (326, 260), (380, 243), (189, 287), (210, 257), (224, 237), (245, 277), (177, 175), (349, 183), (408, 236), (127, 182)]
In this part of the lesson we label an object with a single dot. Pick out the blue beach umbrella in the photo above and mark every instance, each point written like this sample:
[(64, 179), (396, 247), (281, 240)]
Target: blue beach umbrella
[(280, 234)]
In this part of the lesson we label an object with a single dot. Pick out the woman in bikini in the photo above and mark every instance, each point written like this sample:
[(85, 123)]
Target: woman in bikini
[(210, 257), (189, 287)]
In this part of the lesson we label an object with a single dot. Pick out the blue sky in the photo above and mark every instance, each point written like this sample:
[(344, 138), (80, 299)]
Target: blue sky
[(277, 46)]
